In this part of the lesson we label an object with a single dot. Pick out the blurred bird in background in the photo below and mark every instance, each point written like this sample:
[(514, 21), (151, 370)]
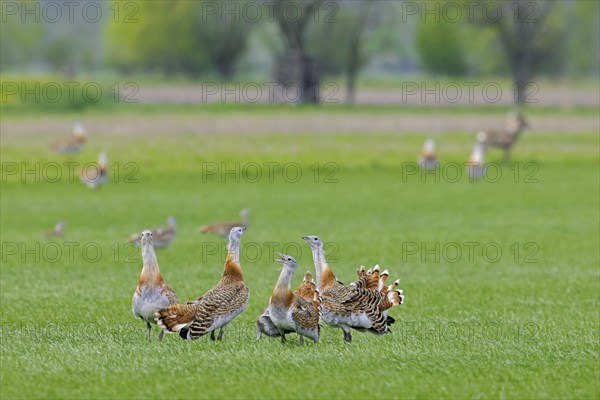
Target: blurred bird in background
[(58, 231), (223, 228), (162, 236), (72, 144), (94, 176), (428, 159), (476, 164)]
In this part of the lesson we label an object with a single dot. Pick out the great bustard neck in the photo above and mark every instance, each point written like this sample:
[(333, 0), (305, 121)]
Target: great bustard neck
[(234, 249), (150, 263), (318, 254), (285, 278)]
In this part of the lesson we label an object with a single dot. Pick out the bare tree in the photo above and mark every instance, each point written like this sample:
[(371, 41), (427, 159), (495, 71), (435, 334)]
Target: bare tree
[(528, 40), (293, 18), (224, 36), (355, 58), (340, 47)]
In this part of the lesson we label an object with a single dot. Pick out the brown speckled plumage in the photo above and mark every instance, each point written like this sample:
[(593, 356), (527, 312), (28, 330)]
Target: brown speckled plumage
[(214, 309), (307, 288), (361, 305), (288, 311)]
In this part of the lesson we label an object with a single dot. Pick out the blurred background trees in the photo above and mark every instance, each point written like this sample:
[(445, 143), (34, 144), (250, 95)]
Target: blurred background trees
[(529, 37), (442, 48), (162, 40), (296, 64), (65, 46), (222, 36), (301, 42)]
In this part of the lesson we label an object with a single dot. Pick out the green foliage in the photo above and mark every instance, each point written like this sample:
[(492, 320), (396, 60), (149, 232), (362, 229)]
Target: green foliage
[(550, 48), (161, 39), (527, 29), (385, 40), (20, 42), (583, 36), (179, 37), (331, 42), (484, 47), (32, 40), (441, 47), (223, 36)]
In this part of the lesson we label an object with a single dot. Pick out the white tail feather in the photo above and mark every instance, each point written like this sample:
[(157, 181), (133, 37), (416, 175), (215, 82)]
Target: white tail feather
[(381, 284)]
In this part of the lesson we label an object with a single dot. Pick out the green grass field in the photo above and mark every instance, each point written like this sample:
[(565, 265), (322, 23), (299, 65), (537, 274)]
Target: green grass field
[(505, 306)]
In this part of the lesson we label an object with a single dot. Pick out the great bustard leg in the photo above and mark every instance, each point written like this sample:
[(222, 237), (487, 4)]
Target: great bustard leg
[(347, 334), (149, 327), (221, 332)]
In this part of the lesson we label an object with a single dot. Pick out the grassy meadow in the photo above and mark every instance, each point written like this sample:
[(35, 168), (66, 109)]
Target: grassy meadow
[(501, 276)]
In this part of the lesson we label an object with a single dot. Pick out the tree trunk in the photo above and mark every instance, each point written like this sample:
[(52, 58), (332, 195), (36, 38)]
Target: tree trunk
[(354, 56), (352, 70), (310, 84), (297, 68), (225, 68), (518, 39)]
